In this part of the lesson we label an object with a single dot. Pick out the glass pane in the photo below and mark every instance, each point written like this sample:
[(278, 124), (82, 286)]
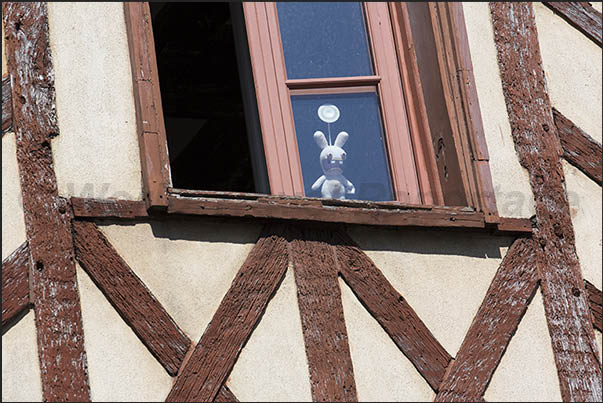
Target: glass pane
[(324, 40), (341, 146)]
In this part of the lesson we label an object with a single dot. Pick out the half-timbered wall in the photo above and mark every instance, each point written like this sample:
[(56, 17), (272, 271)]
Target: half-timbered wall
[(190, 273)]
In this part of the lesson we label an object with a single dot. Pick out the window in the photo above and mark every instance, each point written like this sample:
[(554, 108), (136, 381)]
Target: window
[(367, 101)]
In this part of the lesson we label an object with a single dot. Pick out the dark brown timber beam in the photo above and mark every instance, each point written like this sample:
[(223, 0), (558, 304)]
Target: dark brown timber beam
[(595, 299), (52, 277), (537, 145), (15, 283), (392, 312), (579, 149), (495, 323), (581, 15), (239, 312), (130, 297), (7, 104)]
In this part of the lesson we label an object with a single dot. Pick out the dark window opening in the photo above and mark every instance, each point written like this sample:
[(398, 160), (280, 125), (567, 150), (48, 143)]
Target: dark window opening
[(208, 97)]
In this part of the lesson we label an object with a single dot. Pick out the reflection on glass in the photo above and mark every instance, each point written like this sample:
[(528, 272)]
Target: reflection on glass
[(324, 40), (341, 146)]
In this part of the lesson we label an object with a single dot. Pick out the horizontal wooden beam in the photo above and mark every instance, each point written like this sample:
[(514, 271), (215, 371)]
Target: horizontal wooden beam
[(108, 208), (494, 324), (314, 210), (581, 15), (239, 312), (7, 105), (130, 297), (392, 312), (595, 299), (15, 283), (579, 149)]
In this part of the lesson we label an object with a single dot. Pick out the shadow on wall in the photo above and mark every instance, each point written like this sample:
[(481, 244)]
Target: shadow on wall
[(200, 229), (431, 241)]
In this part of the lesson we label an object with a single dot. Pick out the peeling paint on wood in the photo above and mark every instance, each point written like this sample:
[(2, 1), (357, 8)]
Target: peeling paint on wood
[(539, 151), (15, 283), (130, 297), (496, 321), (321, 310), (595, 299), (581, 15), (7, 104), (391, 310), (579, 149), (53, 285), (108, 208), (238, 314)]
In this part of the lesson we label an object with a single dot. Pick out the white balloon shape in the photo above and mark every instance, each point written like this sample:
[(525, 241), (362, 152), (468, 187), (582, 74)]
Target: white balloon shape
[(328, 113)]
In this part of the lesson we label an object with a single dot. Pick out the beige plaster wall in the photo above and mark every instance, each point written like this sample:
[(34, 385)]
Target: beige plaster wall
[(96, 153), (585, 207), (272, 366), (13, 223), (381, 371), (512, 188), (573, 68), (20, 365), (444, 276), (120, 367), (188, 264), (527, 371)]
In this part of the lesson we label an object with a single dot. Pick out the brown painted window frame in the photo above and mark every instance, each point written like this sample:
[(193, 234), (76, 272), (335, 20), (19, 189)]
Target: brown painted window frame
[(462, 105)]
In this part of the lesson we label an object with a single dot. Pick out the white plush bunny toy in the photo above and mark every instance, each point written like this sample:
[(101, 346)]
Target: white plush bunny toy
[(332, 157)]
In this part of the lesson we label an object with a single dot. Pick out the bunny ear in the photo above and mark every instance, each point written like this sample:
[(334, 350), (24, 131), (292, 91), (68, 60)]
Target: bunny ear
[(342, 137), (320, 139)]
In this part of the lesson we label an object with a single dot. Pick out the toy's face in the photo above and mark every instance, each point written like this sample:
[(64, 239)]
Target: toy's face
[(332, 160)]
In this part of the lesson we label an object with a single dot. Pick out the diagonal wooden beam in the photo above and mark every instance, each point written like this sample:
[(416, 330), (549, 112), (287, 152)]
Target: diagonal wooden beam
[(15, 283), (52, 277), (321, 310), (7, 104), (130, 297), (581, 15), (225, 395), (496, 321), (539, 151), (238, 314), (392, 311), (595, 299), (579, 149)]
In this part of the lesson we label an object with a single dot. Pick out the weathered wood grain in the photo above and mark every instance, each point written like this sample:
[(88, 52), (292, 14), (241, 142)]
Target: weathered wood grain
[(225, 395), (236, 317), (496, 321), (581, 15), (311, 210), (579, 149), (15, 283), (130, 297), (53, 285), (595, 299), (108, 208), (321, 310), (7, 104), (147, 101), (539, 151), (392, 311)]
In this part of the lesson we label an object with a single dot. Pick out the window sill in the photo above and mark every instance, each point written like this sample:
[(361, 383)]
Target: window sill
[(259, 206)]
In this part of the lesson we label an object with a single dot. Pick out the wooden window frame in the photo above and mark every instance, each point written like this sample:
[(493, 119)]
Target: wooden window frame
[(458, 84)]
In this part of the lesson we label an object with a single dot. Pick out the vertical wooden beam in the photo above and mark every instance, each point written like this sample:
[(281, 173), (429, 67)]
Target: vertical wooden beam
[(536, 143), (53, 285), (239, 312), (495, 323), (321, 309), (391, 310), (7, 104), (15, 283), (147, 101)]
